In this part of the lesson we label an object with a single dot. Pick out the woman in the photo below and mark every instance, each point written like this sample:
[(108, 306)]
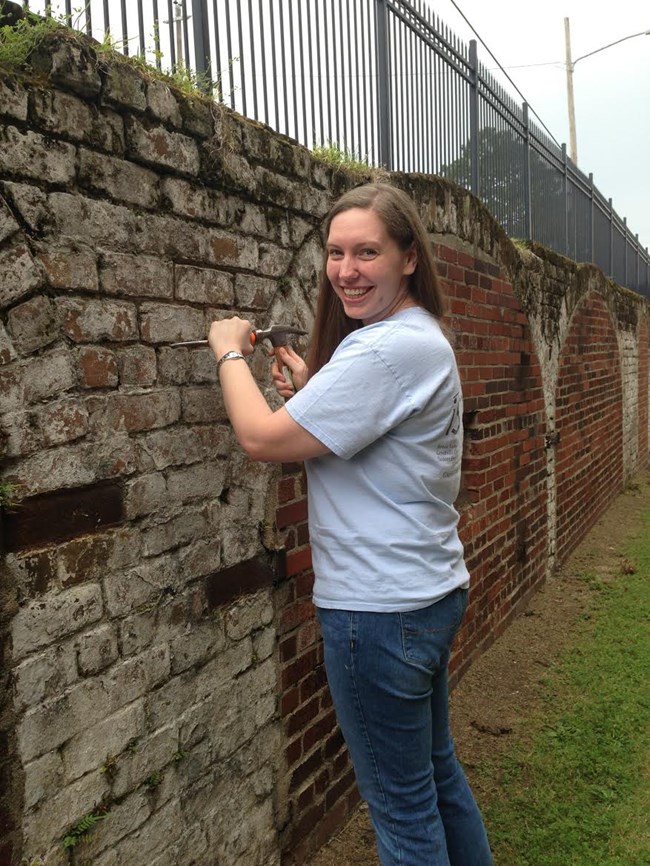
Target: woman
[(376, 415)]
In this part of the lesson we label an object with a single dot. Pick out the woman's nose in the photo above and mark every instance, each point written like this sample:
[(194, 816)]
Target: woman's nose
[(347, 269)]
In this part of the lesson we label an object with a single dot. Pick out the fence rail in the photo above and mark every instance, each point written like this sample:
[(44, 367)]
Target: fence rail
[(386, 81)]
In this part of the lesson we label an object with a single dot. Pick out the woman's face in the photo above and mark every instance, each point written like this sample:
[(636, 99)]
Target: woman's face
[(367, 269)]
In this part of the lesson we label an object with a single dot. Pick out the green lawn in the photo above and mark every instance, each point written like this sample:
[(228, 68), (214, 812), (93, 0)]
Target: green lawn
[(580, 795)]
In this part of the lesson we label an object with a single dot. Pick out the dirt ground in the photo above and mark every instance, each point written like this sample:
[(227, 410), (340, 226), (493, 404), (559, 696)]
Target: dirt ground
[(491, 704)]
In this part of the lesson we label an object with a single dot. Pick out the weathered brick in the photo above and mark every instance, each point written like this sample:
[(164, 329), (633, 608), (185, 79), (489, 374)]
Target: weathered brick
[(30, 202), (33, 324), (255, 293), (161, 832), (63, 810), (56, 615), (13, 98), (195, 202), (180, 530), (124, 87), (198, 559), (90, 749), (230, 250), (70, 269), (136, 677), (195, 645), (157, 146), (273, 260), (97, 368), (137, 366), (43, 779), (30, 155), (8, 225), (19, 274), (83, 559), (68, 62), (119, 179), (49, 375), (203, 368), (162, 103), (93, 223), (7, 351), (248, 615), (134, 412), (60, 422), (64, 514), (124, 818), (200, 405), (45, 675), (203, 286), (67, 115), (201, 481), (87, 320), (173, 447), (144, 495), (136, 276), (166, 323)]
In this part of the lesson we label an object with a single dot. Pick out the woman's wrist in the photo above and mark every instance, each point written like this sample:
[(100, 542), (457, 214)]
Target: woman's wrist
[(229, 355)]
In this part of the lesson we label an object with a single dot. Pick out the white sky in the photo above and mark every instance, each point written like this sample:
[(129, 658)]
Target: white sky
[(611, 89)]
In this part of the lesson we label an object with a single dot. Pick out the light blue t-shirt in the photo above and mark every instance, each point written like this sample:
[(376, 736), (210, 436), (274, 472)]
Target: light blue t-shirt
[(382, 522)]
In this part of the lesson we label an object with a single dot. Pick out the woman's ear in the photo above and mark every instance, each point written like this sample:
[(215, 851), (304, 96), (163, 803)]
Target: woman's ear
[(411, 262)]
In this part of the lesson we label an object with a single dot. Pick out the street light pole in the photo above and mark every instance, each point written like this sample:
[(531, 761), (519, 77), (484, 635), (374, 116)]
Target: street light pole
[(570, 66), (573, 144)]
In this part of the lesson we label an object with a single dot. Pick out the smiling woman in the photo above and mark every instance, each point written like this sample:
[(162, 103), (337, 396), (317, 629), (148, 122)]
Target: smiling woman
[(376, 417)]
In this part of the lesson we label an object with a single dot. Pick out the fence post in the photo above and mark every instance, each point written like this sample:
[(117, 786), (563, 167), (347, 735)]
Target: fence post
[(611, 237), (383, 84), (566, 199), (528, 212), (473, 117), (200, 29), (625, 251), (591, 218)]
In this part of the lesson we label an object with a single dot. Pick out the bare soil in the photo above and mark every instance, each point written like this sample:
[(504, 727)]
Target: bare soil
[(492, 705)]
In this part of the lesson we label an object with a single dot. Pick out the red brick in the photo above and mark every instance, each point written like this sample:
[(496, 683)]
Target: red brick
[(97, 368), (287, 515), (298, 561)]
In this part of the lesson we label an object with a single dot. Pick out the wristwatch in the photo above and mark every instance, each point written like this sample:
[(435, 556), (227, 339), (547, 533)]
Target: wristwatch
[(229, 356)]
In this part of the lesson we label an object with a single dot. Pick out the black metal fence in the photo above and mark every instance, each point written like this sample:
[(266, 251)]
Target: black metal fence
[(385, 81)]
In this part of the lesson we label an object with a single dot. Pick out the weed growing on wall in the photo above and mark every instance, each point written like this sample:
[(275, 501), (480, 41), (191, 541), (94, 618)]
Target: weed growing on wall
[(18, 41), (82, 828)]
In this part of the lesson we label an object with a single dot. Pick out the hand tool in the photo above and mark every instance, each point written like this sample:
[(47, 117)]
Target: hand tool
[(278, 335)]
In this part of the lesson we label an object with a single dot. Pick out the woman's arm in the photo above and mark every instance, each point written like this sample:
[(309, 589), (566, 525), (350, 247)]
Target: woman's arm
[(262, 433)]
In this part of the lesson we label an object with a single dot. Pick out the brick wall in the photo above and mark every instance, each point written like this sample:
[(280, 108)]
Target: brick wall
[(161, 662)]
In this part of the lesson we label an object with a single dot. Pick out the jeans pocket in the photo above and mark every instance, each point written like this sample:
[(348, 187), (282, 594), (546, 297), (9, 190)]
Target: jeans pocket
[(427, 633)]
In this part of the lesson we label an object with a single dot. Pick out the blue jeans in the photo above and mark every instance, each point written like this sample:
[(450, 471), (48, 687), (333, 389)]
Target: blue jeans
[(387, 673)]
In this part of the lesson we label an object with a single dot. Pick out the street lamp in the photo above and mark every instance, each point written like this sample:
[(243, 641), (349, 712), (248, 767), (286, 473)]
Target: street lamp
[(570, 66)]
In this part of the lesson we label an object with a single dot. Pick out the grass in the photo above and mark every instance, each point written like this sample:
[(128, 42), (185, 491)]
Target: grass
[(20, 40), (579, 795)]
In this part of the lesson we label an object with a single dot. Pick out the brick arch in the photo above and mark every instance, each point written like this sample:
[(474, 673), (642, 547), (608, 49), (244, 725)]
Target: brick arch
[(589, 420), (503, 501), (644, 391)]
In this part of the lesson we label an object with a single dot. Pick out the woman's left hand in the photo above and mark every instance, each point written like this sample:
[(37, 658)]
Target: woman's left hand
[(229, 335)]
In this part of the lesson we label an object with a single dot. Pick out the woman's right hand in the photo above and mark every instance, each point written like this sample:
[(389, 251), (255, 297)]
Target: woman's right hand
[(286, 357)]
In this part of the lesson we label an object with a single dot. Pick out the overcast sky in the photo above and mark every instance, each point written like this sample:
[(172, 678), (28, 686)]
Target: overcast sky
[(611, 88)]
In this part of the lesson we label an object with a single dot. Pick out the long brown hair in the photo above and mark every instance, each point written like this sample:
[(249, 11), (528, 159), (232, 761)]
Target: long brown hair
[(399, 215)]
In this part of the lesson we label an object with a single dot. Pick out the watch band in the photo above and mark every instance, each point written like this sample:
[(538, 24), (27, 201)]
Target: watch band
[(229, 356)]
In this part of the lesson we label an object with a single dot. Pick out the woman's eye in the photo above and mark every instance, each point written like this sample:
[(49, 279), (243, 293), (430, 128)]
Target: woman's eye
[(368, 252), (334, 254)]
